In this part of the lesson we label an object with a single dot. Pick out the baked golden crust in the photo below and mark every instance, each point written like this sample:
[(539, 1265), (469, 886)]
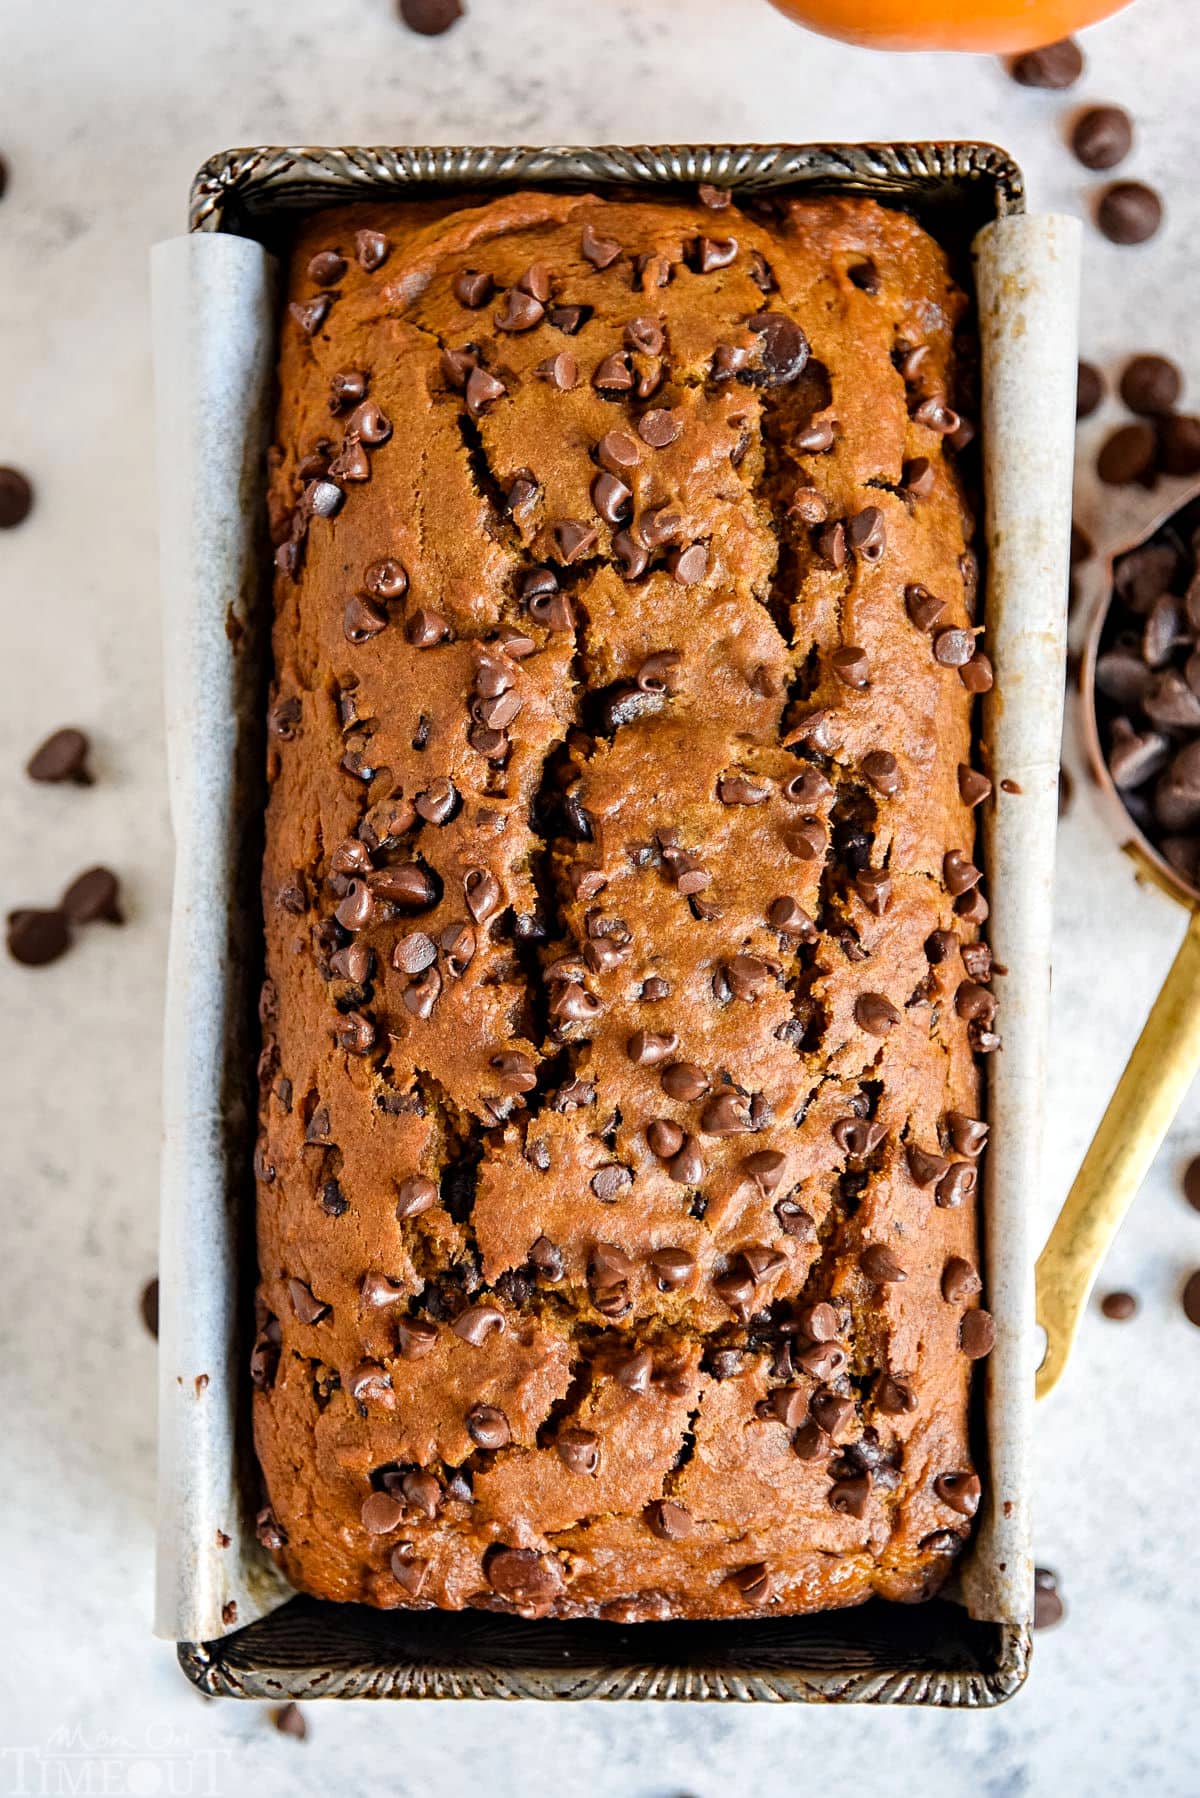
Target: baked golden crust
[(615, 1177)]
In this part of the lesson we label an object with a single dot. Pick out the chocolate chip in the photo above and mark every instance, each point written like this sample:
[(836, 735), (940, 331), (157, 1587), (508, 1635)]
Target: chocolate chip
[(851, 666), (93, 897), (347, 388), (430, 17), (687, 1167), (784, 353), (521, 1574), (1191, 1299), (601, 252), (478, 1322), (866, 534), (881, 1266), (849, 1497), (1102, 136), (310, 315), (569, 319), (415, 1337), (647, 1048), (561, 371), (609, 1181), (1129, 212), (726, 1115), (327, 268), (926, 1169), (918, 477), (973, 787), (1048, 1607), (521, 312), (1056, 65), (62, 757), (483, 390), (664, 1138), (683, 1080), (1179, 445), (1151, 385), (967, 1135), (672, 1268), (1089, 389), (923, 607), (578, 1450), (790, 919), (875, 1014), (668, 1520), (148, 1305), (1134, 757), (414, 1195), (961, 1491), (16, 498), (830, 544), (660, 428), (959, 1281), (1119, 1306), (36, 937), (488, 1427), (362, 620), (977, 1332)]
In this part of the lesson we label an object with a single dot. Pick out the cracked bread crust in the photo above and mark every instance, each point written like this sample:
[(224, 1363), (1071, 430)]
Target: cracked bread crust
[(619, 1098)]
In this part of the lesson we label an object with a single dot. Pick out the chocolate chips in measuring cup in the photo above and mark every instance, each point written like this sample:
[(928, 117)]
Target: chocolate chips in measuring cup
[(1148, 689)]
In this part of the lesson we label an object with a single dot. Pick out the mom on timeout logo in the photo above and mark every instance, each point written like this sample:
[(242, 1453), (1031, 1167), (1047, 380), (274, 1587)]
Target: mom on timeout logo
[(165, 1763)]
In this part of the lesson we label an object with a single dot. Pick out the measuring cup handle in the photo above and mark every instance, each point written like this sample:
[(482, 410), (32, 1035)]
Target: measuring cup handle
[(1161, 1068)]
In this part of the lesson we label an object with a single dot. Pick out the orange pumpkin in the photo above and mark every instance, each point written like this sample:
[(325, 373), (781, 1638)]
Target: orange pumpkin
[(1002, 26)]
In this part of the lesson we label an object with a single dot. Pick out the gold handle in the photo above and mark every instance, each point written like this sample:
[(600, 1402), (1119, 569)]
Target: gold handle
[(1161, 1068)]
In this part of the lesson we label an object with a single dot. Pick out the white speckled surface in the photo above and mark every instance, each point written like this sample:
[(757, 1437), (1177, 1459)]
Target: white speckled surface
[(107, 111)]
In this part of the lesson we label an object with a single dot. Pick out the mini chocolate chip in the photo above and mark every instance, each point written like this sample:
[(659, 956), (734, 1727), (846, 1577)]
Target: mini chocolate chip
[(473, 288), (521, 1574), (561, 371), (849, 1497), (1129, 212), (973, 787), (959, 1281), (684, 1081), (894, 1398), (668, 1520), (644, 336)]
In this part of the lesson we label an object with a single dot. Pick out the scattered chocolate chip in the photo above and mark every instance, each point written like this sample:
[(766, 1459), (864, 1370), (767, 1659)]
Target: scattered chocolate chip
[(148, 1305), (1102, 136), (1119, 1306), (16, 498), (1150, 385), (1048, 1607), (1089, 389), (430, 17), (35, 937), (1056, 65), (92, 897), (62, 757), (1129, 212), (1179, 444)]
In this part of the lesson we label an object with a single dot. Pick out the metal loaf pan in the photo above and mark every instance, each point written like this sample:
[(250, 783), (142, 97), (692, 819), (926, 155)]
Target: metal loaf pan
[(969, 1649)]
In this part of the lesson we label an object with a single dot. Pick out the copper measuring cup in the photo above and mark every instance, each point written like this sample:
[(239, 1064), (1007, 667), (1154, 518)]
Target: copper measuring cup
[(1163, 1064)]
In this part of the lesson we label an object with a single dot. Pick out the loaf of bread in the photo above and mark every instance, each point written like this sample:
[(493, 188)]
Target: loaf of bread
[(620, 1110)]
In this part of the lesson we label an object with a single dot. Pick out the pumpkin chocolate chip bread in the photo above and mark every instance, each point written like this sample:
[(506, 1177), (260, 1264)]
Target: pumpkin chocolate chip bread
[(619, 1132)]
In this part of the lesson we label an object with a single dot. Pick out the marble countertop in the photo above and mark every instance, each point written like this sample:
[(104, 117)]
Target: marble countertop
[(108, 111)]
